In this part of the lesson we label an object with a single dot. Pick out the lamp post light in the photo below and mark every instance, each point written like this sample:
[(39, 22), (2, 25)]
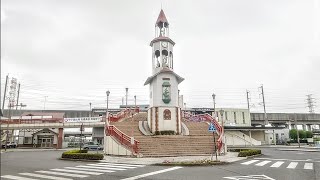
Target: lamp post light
[(90, 110), (214, 104), (223, 137), (127, 97), (107, 115), (106, 123)]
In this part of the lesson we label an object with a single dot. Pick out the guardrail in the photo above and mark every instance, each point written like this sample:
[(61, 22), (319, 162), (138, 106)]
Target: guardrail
[(122, 138)]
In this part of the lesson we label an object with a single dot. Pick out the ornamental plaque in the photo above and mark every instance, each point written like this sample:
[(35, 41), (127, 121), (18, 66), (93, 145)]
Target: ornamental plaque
[(167, 114), (166, 92)]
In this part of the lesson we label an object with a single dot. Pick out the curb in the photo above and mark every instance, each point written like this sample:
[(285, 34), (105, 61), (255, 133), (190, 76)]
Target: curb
[(303, 150), (81, 160), (186, 165)]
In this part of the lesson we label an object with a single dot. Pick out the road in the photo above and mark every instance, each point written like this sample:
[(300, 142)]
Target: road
[(275, 164)]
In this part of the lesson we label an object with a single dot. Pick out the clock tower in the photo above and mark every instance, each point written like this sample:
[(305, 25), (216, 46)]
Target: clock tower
[(164, 113)]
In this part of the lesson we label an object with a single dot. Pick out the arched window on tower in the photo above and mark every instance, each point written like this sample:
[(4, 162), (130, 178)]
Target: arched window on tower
[(165, 60), (156, 58), (171, 60)]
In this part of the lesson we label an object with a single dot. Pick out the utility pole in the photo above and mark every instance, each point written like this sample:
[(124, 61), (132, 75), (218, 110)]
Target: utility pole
[(12, 93), (248, 101), (44, 104), (310, 103), (5, 91), (264, 106), (18, 96), (295, 121)]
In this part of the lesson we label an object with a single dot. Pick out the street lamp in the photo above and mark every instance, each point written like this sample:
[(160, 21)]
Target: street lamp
[(90, 110), (222, 124), (127, 97), (106, 123), (107, 115), (214, 104)]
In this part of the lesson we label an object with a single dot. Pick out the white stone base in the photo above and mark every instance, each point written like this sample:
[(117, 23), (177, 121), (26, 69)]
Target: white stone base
[(157, 121)]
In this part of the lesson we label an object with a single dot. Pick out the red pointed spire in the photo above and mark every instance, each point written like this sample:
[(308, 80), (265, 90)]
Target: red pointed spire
[(162, 19)]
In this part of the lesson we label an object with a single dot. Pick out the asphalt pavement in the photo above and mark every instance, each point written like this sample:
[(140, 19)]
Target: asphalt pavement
[(274, 164)]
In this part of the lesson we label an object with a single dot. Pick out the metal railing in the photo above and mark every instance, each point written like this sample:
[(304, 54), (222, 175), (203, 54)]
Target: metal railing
[(122, 138), (122, 114)]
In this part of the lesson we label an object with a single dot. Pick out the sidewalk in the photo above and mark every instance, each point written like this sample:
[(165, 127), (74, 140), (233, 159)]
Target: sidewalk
[(229, 157)]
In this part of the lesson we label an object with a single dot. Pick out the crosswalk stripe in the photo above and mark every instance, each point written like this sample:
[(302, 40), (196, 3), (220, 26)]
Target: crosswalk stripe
[(44, 176), (292, 165), (308, 166), (87, 169), (117, 164), (63, 174), (17, 177), (109, 165), (277, 164), (249, 162), (75, 171), (99, 167), (263, 163)]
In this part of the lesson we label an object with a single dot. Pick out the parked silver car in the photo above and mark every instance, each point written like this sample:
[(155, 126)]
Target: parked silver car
[(92, 146)]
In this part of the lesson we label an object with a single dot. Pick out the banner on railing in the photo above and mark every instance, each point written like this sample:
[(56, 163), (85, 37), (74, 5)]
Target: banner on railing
[(83, 119)]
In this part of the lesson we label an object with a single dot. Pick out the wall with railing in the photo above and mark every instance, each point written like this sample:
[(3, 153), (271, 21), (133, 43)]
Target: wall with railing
[(123, 139)]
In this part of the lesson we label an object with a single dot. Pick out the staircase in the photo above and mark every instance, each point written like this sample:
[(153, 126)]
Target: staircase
[(199, 142)]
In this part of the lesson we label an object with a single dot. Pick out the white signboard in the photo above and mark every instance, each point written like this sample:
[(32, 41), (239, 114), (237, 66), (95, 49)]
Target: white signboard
[(83, 119)]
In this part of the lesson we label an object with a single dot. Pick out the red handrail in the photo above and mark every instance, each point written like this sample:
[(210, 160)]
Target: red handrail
[(122, 114), (122, 138)]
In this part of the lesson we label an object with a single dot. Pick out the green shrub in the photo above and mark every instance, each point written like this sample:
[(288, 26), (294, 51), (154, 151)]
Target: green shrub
[(165, 133), (81, 154), (248, 152)]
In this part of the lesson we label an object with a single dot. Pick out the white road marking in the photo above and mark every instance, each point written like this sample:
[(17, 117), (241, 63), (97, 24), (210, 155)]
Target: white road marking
[(99, 167), (308, 166), (117, 164), (17, 177), (152, 173), (75, 171), (109, 165), (63, 174), (263, 163), (292, 165), (44, 176), (249, 162), (277, 164), (88, 169), (251, 177), (296, 160)]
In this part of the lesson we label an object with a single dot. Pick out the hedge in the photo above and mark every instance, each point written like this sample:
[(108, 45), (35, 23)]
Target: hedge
[(165, 132), (249, 152), (81, 154)]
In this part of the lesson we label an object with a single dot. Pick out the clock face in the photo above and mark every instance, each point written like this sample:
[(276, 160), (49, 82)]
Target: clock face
[(164, 44)]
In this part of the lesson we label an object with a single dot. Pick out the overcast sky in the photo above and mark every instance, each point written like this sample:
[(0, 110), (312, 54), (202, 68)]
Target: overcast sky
[(73, 51)]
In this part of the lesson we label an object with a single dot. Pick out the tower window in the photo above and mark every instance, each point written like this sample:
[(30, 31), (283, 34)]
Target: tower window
[(165, 62), (157, 55), (235, 117)]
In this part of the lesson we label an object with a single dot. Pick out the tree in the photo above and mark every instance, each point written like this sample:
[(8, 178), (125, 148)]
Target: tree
[(309, 134), (302, 134), (293, 134)]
